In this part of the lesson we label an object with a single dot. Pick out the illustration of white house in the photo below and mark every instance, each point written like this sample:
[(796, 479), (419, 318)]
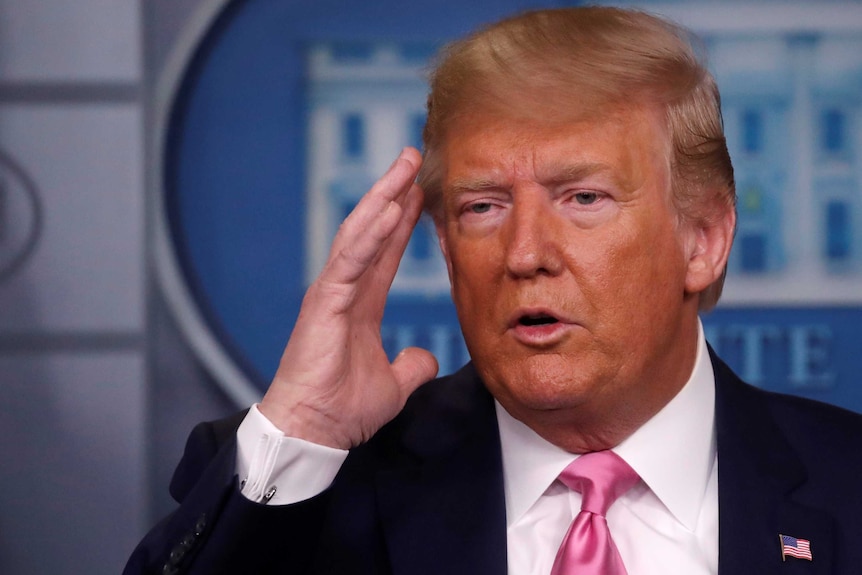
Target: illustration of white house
[(790, 75), (795, 141), (366, 102)]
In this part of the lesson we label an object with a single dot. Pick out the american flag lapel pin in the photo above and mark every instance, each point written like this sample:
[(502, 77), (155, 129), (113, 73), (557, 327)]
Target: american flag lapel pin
[(795, 547)]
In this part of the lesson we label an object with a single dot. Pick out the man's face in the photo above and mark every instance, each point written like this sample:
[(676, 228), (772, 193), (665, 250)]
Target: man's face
[(569, 267)]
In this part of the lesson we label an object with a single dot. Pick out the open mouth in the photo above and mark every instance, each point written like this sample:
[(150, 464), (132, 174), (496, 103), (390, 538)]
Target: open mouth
[(534, 320)]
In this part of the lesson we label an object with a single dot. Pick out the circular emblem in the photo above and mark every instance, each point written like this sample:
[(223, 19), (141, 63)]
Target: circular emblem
[(20, 216)]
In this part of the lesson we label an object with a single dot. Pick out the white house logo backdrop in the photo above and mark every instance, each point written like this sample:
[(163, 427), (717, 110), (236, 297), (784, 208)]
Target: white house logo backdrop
[(286, 112)]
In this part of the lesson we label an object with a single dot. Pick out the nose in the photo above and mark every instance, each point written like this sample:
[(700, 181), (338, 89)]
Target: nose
[(533, 242)]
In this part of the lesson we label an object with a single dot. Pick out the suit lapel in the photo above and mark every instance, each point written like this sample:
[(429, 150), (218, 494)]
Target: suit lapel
[(758, 473), (445, 512)]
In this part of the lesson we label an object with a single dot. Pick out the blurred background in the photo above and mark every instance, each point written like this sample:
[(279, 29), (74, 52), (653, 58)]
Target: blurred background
[(172, 171)]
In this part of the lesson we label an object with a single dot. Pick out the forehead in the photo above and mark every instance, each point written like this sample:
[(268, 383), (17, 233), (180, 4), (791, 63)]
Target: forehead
[(489, 149)]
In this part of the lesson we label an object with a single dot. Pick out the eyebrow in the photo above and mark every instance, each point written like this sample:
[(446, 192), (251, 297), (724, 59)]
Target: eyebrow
[(464, 185), (576, 172), (569, 173)]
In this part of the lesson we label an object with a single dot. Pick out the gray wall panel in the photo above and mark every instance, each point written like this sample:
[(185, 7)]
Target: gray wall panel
[(86, 272), (72, 483), (78, 40), (73, 370)]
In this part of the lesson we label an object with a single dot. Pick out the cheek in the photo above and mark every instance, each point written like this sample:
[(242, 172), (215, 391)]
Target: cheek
[(643, 267), (476, 292), (469, 273), (472, 260), (662, 283)]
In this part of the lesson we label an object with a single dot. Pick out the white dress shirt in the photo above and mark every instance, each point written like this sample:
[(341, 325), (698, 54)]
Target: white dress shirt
[(667, 524)]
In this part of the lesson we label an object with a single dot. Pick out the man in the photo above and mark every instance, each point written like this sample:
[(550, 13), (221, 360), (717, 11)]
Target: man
[(578, 178)]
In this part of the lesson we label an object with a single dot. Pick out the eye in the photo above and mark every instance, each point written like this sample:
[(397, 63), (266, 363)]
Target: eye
[(586, 198), (479, 207)]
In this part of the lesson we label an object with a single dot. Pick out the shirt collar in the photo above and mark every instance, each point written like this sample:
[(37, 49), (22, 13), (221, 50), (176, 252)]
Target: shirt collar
[(673, 452)]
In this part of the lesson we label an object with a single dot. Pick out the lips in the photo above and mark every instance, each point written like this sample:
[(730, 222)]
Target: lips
[(539, 328), (535, 317)]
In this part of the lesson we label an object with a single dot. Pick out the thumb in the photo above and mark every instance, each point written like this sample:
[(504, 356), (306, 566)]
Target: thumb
[(413, 367)]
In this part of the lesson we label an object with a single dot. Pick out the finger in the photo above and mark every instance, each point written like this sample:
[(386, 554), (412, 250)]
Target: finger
[(391, 187), (348, 263), (368, 267), (392, 249), (412, 211), (358, 247), (413, 367)]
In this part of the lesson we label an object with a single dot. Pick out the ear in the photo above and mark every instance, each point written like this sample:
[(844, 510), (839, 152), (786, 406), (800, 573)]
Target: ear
[(708, 247)]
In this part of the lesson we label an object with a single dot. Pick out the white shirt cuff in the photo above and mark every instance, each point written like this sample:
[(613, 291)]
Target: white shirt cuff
[(279, 470)]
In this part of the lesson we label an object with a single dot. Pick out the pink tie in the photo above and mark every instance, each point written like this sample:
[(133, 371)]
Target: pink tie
[(587, 548)]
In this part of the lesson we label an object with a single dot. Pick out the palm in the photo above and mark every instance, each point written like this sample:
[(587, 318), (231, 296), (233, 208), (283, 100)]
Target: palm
[(335, 384)]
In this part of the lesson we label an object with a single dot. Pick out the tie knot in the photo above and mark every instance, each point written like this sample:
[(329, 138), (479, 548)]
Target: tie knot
[(600, 477)]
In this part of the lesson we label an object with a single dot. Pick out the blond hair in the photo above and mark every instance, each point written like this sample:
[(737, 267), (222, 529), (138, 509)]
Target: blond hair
[(561, 65)]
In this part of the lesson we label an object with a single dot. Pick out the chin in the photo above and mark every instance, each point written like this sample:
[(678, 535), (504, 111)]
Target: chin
[(543, 381), (542, 393)]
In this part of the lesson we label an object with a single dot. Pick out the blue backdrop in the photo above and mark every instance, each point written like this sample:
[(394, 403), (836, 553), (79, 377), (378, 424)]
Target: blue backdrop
[(236, 181)]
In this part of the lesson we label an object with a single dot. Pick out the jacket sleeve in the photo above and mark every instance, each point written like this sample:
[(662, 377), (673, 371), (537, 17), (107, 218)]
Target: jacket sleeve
[(217, 530)]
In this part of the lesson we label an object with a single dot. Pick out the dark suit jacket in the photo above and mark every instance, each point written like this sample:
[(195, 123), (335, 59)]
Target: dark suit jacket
[(425, 495)]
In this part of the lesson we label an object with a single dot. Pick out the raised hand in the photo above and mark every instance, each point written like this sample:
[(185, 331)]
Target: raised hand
[(334, 385)]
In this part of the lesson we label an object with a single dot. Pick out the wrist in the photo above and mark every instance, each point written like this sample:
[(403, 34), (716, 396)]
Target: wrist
[(303, 423)]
